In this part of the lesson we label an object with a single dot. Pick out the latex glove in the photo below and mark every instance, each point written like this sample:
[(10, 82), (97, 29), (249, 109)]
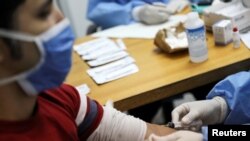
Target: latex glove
[(178, 136), (150, 14), (203, 112)]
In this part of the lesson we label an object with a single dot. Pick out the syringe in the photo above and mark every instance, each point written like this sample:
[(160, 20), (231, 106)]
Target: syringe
[(180, 126)]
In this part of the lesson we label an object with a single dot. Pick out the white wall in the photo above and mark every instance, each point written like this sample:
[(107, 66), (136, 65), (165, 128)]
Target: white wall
[(76, 10)]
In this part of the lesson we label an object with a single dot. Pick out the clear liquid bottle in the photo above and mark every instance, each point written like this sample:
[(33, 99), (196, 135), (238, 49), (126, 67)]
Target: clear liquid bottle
[(196, 35)]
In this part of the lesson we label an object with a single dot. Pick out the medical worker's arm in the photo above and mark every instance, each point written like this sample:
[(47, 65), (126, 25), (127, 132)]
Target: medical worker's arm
[(203, 112), (109, 14), (235, 89), (229, 100), (119, 126)]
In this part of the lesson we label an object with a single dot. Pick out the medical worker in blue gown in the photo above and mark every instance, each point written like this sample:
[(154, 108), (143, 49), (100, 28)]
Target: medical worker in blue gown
[(109, 13), (228, 102)]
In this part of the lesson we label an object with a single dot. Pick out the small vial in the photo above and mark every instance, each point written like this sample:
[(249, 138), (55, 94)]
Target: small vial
[(236, 38)]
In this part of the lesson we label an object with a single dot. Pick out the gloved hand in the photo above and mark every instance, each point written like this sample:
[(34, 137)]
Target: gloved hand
[(150, 14), (204, 112), (181, 135)]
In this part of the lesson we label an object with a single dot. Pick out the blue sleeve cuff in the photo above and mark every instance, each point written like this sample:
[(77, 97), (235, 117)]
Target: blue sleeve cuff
[(204, 131), (235, 89)]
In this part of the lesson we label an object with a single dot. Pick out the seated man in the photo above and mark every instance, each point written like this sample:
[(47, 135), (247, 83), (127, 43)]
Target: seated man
[(35, 57), (109, 13)]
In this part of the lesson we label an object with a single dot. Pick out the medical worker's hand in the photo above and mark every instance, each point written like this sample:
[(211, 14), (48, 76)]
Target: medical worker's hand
[(178, 136), (150, 14), (204, 112)]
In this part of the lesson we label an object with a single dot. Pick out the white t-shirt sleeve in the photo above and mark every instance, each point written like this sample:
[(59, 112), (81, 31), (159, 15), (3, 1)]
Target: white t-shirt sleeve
[(118, 126)]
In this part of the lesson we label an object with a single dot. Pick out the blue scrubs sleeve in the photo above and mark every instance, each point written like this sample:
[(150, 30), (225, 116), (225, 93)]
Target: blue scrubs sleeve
[(109, 13), (204, 130), (235, 89)]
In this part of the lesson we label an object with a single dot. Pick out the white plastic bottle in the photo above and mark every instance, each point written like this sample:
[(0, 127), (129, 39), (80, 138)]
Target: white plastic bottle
[(196, 35), (236, 37)]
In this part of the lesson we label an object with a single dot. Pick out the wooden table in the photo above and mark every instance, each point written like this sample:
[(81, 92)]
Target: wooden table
[(161, 75)]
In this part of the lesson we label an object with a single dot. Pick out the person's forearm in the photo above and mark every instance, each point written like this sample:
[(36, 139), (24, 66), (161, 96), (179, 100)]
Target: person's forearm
[(158, 130), (119, 126), (107, 17)]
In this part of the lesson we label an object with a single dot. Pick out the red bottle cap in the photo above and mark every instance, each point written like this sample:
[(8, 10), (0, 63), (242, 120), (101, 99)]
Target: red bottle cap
[(235, 29)]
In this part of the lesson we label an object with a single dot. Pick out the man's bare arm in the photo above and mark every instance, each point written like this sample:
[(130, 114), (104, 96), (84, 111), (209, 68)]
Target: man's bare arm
[(119, 126), (158, 130)]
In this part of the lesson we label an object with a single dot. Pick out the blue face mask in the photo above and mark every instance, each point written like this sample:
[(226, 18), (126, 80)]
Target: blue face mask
[(55, 46)]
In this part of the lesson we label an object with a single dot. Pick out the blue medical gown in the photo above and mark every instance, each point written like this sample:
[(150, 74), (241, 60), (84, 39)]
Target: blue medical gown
[(109, 13), (235, 89)]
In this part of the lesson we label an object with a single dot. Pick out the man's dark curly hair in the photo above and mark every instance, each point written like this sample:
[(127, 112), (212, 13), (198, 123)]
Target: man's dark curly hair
[(7, 10)]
